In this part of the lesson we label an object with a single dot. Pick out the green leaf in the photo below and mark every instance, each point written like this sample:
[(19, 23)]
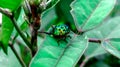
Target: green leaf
[(7, 28), (107, 46), (51, 54), (94, 49), (10, 4), (89, 14)]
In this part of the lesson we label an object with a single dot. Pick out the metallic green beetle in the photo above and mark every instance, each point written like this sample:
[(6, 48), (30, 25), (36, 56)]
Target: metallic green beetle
[(60, 31)]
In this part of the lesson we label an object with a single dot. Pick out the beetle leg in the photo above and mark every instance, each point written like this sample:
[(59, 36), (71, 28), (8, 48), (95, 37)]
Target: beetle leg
[(69, 36), (58, 41)]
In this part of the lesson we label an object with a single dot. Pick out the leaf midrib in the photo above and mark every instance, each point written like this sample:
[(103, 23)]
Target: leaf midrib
[(107, 49), (86, 21), (111, 31)]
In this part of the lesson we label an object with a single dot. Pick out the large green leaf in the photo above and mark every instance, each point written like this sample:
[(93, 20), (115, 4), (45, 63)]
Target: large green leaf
[(51, 54), (10, 4), (7, 28), (89, 14)]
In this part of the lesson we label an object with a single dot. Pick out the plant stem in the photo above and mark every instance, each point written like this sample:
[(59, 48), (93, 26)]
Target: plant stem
[(16, 54), (35, 25), (34, 41), (84, 62)]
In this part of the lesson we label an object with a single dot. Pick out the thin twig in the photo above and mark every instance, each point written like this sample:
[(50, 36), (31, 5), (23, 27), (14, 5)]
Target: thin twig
[(20, 32), (48, 2), (86, 59), (16, 54), (84, 62)]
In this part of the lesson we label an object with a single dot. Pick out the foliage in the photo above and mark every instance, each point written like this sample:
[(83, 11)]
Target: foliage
[(94, 35)]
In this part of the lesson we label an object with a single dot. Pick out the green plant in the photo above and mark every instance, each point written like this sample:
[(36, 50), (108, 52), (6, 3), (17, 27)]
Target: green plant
[(90, 35)]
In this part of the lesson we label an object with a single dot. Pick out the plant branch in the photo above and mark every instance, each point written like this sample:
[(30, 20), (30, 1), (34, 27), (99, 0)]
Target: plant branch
[(94, 40), (11, 16), (6, 12), (16, 54)]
